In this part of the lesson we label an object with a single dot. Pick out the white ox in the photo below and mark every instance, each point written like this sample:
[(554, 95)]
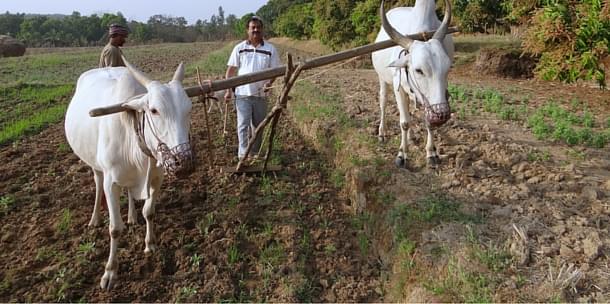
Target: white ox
[(120, 158), (415, 69)]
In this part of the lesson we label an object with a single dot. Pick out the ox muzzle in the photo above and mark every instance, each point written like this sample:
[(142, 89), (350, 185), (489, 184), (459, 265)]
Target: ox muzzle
[(177, 161), (438, 114)]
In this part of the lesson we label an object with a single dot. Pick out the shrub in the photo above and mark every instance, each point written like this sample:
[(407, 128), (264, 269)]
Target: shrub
[(571, 40)]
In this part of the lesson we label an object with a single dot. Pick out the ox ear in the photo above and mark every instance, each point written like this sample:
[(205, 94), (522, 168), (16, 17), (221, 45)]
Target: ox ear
[(400, 62), (138, 103)]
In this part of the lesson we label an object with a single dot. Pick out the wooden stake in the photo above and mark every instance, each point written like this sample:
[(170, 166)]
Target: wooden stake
[(204, 98)]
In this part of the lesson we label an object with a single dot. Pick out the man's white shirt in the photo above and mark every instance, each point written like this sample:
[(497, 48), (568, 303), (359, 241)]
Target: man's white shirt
[(249, 59)]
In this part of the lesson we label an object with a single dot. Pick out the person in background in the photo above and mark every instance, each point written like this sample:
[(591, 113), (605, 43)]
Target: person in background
[(249, 56), (111, 54)]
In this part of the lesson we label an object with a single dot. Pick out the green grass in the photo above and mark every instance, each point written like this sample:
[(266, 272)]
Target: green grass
[(32, 124), (471, 279), (85, 248), (6, 203), (65, 222), (318, 105), (47, 69), (215, 63), (562, 125), (272, 256), (539, 156), (573, 125), (204, 224), (196, 260), (35, 89), (185, 293), (429, 211), (233, 255)]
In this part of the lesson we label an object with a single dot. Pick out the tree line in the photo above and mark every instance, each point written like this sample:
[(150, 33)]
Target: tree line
[(571, 37), (78, 30)]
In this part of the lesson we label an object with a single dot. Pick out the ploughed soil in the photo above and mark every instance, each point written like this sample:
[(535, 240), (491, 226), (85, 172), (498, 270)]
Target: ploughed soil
[(285, 236), (290, 236)]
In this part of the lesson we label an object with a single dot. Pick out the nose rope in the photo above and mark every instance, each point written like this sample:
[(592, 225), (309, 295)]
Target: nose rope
[(420, 98), (441, 112), (171, 159), (139, 129)]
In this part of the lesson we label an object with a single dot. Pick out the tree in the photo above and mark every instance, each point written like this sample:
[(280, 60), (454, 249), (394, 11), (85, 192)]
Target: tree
[(108, 19), (366, 22), (297, 22), (31, 30), (140, 32), (273, 9), (332, 24), (239, 28), (10, 24)]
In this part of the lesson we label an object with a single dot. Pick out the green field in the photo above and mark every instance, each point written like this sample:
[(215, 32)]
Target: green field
[(35, 90)]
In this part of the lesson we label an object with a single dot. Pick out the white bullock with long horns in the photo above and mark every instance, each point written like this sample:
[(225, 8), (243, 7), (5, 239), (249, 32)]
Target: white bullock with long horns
[(131, 149), (415, 69)]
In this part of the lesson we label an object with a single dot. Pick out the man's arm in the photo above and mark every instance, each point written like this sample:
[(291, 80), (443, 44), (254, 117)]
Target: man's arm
[(231, 72)]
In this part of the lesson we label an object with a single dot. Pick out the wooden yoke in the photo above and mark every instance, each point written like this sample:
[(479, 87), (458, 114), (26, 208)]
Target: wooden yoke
[(279, 71)]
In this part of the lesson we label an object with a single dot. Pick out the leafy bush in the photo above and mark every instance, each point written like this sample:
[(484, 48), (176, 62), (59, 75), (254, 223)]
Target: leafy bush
[(366, 22), (332, 23), (571, 40)]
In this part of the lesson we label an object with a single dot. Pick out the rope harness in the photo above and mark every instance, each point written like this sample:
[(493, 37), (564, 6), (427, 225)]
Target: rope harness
[(177, 158)]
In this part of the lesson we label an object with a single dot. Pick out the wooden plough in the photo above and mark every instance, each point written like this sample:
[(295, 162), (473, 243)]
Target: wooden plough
[(291, 73)]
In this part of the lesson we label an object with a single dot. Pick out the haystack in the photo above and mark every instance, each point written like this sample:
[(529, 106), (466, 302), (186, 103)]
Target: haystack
[(11, 47)]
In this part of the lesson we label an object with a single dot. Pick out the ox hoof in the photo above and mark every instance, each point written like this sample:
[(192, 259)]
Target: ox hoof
[(95, 222), (108, 280), (400, 162), (132, 221), (150, 249), (434, 161)]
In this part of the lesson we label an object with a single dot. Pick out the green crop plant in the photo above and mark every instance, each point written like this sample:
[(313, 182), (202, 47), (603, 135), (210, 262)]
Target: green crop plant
[(65, 221), (196, 260), (233, 255)]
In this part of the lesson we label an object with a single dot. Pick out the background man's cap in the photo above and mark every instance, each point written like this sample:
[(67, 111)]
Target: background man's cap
[(117, 29)]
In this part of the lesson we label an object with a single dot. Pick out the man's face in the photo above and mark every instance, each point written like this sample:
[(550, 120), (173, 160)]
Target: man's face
[(255, 31), (117, 40)]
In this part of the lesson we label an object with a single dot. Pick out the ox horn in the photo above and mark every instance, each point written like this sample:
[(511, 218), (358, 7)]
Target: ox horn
[(137, 74), (442, 30), (397, 37), (179, 74)]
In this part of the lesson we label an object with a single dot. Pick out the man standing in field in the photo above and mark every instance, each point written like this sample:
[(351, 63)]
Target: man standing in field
[(111, 54), (249, 56)]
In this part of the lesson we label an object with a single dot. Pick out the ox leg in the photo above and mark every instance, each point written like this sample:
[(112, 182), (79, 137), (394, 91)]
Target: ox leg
[(98, 177), (149, 211), (431, 155), (405, 130), (131, 213), (383, 95), (116, 226)]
